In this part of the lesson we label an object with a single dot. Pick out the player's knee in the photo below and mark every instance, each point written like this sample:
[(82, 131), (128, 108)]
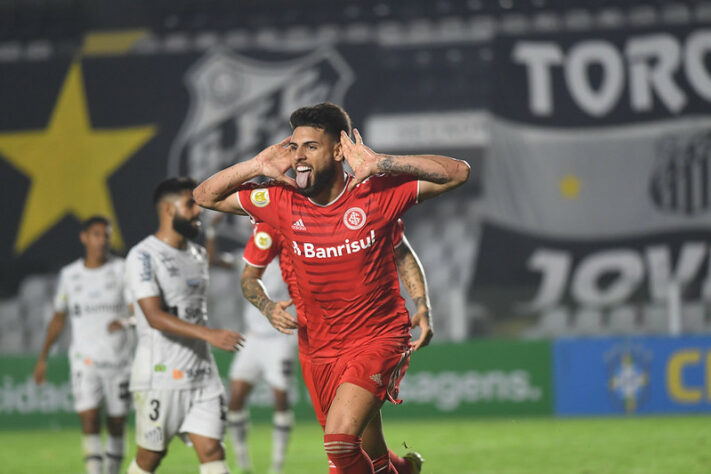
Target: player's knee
[(212, 451), (115, 425)]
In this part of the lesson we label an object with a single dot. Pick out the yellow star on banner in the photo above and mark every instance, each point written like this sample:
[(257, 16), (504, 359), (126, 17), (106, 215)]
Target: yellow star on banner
[(69, 163)]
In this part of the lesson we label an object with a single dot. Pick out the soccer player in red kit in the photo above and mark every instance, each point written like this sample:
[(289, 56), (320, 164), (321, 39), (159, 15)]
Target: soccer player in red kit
[(261, 249), (338, 229)]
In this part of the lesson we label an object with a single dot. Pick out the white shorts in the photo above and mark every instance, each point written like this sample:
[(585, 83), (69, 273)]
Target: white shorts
[(162, 414), (270, 357), (92, 386)]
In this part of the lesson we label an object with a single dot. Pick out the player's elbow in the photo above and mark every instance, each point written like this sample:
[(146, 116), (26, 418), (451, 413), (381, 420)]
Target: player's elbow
[(460, 174)]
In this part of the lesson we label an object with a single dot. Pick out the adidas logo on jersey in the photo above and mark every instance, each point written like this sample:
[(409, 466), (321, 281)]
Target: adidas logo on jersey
[(298, 225)]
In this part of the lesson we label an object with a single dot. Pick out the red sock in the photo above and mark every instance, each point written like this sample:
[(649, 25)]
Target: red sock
[(346, 453), (402, 465), (382, 465)]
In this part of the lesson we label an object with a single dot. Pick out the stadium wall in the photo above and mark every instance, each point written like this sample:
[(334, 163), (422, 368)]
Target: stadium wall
[(567, 377)]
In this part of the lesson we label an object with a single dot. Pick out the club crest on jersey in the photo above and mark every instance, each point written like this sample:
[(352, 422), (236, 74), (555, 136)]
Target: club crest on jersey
[(354, 218), (262, 240), (260, 197)]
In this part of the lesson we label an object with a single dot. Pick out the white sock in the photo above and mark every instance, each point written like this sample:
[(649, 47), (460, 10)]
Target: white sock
[(114, 453), (134, 468), (283, 420), (93, 461), (214, 467), (238, 426)]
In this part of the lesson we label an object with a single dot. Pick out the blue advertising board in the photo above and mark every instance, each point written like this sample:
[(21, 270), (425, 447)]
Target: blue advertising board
[(632, 375)]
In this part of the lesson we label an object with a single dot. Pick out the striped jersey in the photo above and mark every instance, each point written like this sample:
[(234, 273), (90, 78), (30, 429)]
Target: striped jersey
[(342, 258)]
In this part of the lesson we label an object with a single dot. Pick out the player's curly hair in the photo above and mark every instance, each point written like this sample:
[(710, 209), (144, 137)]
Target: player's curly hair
[(326, 116)]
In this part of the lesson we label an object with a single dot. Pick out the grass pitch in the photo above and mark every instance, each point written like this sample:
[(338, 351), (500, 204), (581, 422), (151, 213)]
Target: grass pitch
[(530, 445)]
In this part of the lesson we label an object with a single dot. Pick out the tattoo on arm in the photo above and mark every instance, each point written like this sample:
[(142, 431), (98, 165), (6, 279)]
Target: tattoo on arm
[(412, 275), (253, 290), (388, 164)]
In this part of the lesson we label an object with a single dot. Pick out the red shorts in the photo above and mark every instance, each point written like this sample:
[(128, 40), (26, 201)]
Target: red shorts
[(377, 367), (305, 362)]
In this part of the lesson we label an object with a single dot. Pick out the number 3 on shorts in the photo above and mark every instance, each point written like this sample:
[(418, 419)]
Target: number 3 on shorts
[(155, 404)]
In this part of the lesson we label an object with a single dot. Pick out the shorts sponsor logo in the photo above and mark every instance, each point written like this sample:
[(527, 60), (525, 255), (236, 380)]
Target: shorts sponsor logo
[(262, 240), (354, 218), (377, 378), (178, 374), (154, 435), (159, 368), (260, 197)]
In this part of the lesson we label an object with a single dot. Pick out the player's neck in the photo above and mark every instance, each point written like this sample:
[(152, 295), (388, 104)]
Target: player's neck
[(94, 261), (331, 193), (172, 238)]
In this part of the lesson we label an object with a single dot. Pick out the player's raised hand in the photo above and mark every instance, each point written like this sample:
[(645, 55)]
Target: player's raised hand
[(40, 372), (275, 160), (362, 160), (422, 320), (279, 318), (226, 340)]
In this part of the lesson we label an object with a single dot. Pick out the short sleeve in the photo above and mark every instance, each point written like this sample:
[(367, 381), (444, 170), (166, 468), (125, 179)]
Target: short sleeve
[(262, 203), (263, 246), (141, 279), (61, 295), (398, 230), (394, 194)]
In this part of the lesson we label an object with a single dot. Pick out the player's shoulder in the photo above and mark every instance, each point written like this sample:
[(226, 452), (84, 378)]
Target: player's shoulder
[(144, 247), (72, 268), (262, 194)]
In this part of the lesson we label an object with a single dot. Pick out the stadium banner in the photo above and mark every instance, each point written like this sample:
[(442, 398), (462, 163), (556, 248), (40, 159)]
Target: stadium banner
[(444, 380), (635, 375), (598, 182)]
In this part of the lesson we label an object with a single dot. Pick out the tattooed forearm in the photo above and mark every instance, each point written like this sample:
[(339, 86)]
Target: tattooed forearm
[(254, 291), (412, 274), (390, 164)]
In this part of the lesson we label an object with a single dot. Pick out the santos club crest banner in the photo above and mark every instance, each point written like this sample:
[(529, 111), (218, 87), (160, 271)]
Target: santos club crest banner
[(598, 182)]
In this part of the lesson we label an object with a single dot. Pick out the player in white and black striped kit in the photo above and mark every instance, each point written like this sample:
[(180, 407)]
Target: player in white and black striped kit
[(90, 291), (177, 389)]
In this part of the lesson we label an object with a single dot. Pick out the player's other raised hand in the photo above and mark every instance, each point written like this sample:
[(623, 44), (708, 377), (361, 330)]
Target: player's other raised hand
[(275, 160), (422, 320), (362, 160), (279, 318), (226, 340)]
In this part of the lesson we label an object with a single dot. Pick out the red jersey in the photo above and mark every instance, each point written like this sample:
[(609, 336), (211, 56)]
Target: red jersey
[(342, 257)]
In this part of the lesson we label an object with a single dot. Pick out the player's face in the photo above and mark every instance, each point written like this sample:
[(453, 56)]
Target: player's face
[(186, 216), (96, 240), (314, 157)]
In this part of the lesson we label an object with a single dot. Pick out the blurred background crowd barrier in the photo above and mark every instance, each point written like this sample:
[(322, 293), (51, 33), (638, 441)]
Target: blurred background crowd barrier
[(587, 125)]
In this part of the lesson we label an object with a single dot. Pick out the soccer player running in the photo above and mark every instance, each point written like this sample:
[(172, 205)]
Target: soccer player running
[(90, 290), (342, 256), (412, 275), (174, 380), (267, 354)]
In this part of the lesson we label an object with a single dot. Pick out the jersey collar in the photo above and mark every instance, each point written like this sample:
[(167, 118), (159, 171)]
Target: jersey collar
[(345, 186)]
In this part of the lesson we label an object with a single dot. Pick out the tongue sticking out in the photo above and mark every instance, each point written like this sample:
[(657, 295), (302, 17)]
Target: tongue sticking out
[(302, 178)]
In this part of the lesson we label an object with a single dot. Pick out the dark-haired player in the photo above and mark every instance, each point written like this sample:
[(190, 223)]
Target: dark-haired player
[(90, 290), (338, 229), (177, 389)]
